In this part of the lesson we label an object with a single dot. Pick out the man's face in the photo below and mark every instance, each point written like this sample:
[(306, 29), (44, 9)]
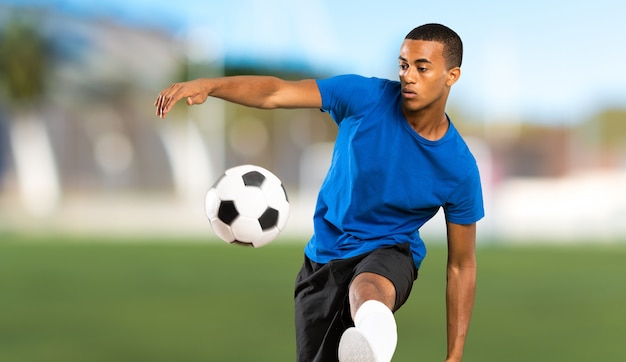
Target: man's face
[(424, 75)]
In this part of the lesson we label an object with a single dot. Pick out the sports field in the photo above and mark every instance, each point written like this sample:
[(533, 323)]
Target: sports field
[(188, 300)]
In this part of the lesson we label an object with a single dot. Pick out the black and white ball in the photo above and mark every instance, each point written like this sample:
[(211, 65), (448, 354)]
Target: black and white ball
[(248, 205)]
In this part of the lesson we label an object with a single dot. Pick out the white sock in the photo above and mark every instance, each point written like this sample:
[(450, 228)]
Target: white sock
[(378, 325)]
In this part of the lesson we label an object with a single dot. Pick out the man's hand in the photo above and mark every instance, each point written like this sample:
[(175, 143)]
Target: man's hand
[(193, 90)]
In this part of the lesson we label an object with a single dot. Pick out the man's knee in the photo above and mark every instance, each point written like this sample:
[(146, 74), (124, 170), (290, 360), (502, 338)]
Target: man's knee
[(370, 286)]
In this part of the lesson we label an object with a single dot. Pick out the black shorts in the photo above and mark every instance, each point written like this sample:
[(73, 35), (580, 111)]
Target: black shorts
[(321, 297)]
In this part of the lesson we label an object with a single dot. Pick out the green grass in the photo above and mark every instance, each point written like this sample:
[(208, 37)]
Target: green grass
[(103, 300)]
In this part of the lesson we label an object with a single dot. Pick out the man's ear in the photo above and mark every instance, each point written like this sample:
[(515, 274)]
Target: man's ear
[(453, 75)]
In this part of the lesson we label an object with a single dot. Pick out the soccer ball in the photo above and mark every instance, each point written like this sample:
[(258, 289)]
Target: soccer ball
[(247, 205)]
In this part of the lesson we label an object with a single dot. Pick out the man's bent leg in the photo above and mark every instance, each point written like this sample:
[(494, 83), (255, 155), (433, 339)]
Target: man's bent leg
[(375, 336), (382, 284)]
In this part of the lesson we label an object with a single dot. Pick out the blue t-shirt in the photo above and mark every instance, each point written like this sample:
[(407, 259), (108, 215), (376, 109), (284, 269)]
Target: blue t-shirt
[(385, 180)]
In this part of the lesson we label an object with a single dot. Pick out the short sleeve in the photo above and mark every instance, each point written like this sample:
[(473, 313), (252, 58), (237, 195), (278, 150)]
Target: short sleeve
[(465, 204), (346, 95)]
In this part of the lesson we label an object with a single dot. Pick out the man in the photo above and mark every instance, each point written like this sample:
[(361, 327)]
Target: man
[(397, 160)]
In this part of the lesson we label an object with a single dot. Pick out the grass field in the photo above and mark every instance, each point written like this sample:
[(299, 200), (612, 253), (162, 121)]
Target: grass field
[(122, 300)]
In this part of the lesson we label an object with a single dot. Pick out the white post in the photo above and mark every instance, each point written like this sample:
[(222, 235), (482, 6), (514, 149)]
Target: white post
[(35, 167)]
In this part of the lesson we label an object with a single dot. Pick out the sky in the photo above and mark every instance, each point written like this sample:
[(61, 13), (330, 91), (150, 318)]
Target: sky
[(549, 61)]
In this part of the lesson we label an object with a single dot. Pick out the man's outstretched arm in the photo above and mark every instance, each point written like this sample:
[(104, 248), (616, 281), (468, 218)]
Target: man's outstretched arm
[(253, 91), (461, 286)]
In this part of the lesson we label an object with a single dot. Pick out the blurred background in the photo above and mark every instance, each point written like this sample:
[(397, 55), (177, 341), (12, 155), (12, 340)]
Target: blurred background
[(105, 251), (541, 101)]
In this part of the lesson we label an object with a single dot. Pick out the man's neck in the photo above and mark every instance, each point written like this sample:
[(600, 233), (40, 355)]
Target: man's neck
[(431, 127)]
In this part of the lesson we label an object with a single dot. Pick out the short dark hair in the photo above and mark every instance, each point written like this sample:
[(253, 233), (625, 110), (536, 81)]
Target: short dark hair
[(452, 44)]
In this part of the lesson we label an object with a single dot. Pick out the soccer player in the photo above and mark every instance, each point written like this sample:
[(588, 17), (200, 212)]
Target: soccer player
[(397, 159)]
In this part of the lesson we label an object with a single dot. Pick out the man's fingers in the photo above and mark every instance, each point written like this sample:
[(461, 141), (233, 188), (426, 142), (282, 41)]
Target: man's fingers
[(162, 104), (157, 104), (165, 101), (168, 97)]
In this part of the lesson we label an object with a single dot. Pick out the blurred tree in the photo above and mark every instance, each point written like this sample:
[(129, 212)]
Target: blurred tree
[(24, 54)]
